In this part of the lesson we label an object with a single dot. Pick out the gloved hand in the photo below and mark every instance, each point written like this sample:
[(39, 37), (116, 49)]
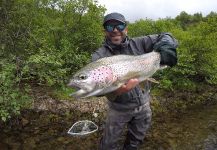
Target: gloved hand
[(168, 54)]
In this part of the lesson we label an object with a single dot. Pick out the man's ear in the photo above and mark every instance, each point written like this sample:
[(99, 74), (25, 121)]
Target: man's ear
[(126, 30)]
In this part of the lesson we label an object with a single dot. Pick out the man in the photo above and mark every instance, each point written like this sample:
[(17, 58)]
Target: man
[(130, 105)]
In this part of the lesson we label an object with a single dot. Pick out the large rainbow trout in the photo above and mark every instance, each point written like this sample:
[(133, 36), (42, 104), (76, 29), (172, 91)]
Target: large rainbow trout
[(108, 74)]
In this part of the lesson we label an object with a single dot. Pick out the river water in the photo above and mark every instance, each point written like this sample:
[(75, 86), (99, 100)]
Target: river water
[(193, 130)]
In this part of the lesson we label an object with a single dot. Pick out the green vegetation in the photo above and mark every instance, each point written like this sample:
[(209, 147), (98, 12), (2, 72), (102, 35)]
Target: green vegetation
[(197, 51), (43, 42)]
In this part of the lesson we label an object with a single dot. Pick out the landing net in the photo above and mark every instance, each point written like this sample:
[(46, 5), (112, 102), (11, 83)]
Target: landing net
[(83, 127)]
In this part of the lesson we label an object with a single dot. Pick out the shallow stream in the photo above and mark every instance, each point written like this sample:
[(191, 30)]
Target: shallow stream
[(193, 130)]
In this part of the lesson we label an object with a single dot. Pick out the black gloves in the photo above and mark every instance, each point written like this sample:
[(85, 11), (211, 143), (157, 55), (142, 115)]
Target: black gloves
[(166, 46)]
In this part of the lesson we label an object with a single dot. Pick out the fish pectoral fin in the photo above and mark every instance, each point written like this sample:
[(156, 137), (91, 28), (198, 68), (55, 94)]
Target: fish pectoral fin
[(107, 90), (78, 93), (94, 93), (153, 80)]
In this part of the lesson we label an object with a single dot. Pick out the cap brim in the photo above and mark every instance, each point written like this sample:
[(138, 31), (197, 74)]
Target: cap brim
[(115, 20)]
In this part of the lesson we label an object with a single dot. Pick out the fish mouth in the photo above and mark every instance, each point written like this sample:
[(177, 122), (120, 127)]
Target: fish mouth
[(74, 86), (79, 91)]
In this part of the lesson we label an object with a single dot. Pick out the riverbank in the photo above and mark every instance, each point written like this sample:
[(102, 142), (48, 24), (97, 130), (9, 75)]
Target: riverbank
[(45, 125), (194, 129)]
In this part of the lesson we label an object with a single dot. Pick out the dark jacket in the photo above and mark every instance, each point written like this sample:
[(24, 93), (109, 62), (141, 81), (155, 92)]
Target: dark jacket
[(164, 43)]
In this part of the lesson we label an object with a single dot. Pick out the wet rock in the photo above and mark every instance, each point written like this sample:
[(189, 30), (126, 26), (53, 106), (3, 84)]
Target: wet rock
[(24, 122), (210, 143)]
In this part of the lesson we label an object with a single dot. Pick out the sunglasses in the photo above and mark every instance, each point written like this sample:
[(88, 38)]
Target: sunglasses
[(119, 27)]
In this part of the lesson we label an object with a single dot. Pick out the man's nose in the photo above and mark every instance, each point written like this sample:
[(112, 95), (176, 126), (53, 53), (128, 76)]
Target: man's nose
[(115, 29)]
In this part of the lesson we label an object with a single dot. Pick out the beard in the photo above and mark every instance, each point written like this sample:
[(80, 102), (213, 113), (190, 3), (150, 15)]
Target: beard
[(116, 37)]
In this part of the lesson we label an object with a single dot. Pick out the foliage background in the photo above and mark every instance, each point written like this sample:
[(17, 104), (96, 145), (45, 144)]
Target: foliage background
[(43, 42)]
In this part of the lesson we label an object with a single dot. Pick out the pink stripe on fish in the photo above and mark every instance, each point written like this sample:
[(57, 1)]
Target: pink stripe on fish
[(102, 74)]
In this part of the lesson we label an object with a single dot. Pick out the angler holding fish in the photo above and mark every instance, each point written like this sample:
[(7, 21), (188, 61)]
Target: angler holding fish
[(116, 74)]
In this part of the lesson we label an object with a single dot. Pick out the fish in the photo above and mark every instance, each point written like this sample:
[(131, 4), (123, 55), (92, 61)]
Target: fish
[(107, 74)]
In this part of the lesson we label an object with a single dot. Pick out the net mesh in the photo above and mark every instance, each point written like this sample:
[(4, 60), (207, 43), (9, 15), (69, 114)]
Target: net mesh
[(83, 127)]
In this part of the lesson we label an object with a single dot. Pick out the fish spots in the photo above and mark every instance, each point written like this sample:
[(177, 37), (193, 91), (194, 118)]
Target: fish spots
[(102, 75)]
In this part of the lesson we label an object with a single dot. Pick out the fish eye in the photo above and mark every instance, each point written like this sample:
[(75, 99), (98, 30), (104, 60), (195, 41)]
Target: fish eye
[(82, 77)]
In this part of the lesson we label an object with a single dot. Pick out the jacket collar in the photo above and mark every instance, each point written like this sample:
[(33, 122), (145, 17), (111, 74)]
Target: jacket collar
[(113, 47)]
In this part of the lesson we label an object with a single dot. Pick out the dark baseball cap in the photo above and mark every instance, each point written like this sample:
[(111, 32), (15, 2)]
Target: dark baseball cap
[(114, 16)]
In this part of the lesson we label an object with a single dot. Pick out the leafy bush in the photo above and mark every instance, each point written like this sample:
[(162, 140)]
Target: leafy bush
[(197, 50), (44, 41), (13, 95)]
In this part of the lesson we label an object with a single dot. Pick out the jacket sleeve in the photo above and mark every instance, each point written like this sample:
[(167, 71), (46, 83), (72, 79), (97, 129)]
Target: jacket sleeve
[(163, 43), (95, 56)]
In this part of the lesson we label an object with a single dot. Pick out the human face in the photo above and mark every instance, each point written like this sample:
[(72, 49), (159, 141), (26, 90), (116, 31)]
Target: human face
[(115, 31)]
